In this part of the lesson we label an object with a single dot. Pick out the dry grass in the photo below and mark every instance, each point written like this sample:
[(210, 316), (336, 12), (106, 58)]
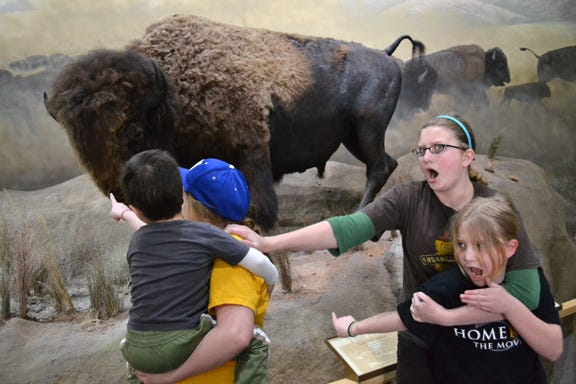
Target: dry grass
[(29, 265), (494, 146), (104, 302), (4, 269), (22, 267), (55, 284)]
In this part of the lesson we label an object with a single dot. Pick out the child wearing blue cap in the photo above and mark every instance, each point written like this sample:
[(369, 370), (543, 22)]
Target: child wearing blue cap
[(171, 259)]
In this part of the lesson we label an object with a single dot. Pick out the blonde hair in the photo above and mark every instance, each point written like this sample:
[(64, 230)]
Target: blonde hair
[(460, 134), (491, 221), (194, 209)]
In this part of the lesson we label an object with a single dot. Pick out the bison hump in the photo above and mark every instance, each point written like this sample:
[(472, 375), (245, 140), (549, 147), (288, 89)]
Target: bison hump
[(460, 64)]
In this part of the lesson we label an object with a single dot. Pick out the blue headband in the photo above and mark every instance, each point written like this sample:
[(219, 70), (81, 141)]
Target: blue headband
[(461, 126)]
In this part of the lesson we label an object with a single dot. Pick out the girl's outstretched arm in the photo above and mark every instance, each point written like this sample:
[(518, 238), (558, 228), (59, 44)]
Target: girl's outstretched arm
[(311, 238), (381, 323)]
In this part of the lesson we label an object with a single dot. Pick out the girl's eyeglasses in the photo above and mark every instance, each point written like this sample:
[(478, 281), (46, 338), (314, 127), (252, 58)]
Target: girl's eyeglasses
[(434, 149)]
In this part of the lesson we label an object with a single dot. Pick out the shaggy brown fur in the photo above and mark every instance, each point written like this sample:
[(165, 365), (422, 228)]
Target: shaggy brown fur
[(104, 129), (262, 63)]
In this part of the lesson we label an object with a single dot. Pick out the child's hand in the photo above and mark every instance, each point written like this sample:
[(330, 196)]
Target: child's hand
[(151, 378), (426, 310), (117, 208), (341, 324), (493, 299)]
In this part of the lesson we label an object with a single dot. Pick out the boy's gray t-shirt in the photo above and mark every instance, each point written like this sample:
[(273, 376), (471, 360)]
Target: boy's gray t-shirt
[(170, 265)]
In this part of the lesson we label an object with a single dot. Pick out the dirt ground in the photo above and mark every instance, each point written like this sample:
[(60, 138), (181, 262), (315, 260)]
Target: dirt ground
[(298, 322)]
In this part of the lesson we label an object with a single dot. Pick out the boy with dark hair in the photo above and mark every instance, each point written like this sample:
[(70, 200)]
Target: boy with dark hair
[(170, 261)]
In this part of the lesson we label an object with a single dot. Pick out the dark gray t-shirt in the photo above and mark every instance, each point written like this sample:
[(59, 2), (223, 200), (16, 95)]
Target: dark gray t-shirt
[(170, 265), (423, 221)]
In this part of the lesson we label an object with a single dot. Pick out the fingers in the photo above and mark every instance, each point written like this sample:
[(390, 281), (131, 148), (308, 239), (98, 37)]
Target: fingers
[(112, 198), (234, 229), (420, 296), (334, 318)]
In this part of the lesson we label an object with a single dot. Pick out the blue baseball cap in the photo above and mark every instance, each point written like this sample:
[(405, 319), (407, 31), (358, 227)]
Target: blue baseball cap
[(219, 186)]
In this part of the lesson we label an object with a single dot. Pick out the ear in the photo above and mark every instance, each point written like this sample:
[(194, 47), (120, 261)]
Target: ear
[(468, 157), (511, 248)]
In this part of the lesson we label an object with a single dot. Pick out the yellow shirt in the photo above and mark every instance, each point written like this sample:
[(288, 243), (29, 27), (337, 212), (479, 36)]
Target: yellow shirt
[(233, 285)]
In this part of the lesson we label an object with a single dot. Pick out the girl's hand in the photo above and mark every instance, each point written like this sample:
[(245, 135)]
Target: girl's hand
[(341, 324), (247, 236), (493, 299), (117, 208), (425, 310)]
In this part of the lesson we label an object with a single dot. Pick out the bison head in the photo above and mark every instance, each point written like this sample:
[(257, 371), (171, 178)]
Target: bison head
[(497, 71), (418, 82), (113, 104)]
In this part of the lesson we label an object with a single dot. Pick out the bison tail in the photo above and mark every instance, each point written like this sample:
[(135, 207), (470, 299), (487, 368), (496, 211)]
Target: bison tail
[(418, 48), (528, 49)]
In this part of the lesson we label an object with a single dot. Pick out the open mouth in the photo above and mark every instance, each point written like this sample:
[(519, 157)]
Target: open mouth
[(432, 174), (476, 272)]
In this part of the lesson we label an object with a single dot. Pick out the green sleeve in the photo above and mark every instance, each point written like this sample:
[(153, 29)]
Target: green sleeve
[(524, 285), (350, 231)]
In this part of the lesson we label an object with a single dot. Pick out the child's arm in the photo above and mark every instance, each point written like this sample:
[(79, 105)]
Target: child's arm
[(480, 308), (224, 342), (254, 261), (522, 284), (424, 309), (120, 211), (259, 264), (381, 323), (544, 338)]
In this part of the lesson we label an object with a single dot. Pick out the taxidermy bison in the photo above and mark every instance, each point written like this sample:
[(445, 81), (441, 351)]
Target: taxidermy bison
[(270, 103), (558, 63), (466, 71)]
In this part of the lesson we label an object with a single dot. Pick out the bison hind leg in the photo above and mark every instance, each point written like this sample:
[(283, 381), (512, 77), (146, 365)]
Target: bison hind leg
[(376, 177)]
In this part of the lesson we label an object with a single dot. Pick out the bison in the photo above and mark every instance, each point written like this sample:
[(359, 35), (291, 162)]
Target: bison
[(271, 103), (558, 63), (527, 92), (466, 71), (418, 83)]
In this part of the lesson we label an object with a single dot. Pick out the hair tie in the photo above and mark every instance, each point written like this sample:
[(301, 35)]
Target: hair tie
[(461, 126)]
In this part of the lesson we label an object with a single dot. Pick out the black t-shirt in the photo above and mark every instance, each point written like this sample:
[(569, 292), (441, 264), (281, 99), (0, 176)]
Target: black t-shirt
[(170, 265), (481, 353)]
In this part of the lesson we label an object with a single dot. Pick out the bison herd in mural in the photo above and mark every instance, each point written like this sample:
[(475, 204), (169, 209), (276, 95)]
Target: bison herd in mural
[(271, 103)]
